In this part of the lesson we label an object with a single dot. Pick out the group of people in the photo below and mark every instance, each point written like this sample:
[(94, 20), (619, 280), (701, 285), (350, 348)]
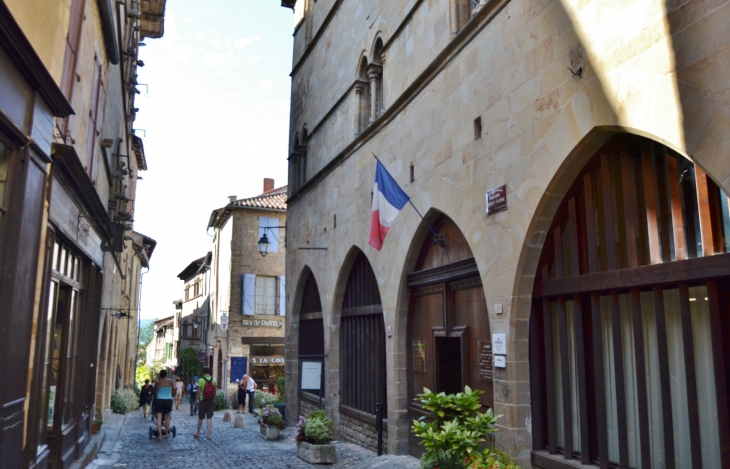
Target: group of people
[(246, 387), (159, 397)]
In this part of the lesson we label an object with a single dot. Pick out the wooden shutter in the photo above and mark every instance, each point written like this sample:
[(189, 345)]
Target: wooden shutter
[(71, 59), (92, 128), (282, 296), (248, 294)]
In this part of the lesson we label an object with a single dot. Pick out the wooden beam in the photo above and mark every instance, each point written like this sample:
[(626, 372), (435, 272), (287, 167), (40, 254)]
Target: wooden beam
[(680, 248), (537, 377), (565, 380), (642, 276), (690, 377), (629, 212), (641, 387), (550, 377), (720, 367), (573, 237), (599, 377), (581, 353), (590, 223), (620, 382), (608, 229), (664, 378), (703, 207), (558, 246)]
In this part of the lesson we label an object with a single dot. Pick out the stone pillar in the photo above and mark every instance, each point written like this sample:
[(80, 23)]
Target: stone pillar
[(359, 124), (374, 72), (382, 83)]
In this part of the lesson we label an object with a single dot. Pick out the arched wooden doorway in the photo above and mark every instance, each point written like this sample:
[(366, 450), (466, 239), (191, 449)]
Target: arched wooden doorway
[(362, 345), (448, 327), (630, 323)]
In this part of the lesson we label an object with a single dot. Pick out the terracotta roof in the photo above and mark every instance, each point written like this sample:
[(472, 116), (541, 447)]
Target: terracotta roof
[(274, 200)]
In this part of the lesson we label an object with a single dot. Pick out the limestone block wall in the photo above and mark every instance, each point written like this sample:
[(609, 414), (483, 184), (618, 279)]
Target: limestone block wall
[(657, 75), (362, 433)]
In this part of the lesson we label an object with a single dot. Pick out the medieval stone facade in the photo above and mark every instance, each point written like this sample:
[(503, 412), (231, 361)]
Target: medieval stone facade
[(456, 99)]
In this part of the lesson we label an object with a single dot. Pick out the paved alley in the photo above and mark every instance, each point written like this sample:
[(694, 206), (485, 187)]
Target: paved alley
[(127, 445)]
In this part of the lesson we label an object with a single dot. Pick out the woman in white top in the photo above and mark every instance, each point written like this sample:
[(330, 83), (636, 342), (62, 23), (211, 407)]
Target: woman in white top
[(179, 387)]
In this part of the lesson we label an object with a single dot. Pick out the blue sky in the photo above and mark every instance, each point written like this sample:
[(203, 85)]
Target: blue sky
[(216, 121)]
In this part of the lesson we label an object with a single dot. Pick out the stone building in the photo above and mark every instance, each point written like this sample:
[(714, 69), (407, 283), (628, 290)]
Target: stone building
[(247, 289), (70, 263), (195, 307), (573, 160)]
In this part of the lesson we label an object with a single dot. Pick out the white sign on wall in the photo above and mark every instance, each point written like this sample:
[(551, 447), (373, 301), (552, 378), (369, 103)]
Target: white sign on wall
[(499, 344), (500, 361), (311, 375), (224, 322)]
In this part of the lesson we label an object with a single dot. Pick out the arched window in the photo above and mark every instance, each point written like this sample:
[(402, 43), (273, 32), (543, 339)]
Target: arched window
[(449, 344), (362, 343), (631, 316), (311, 325), (375, 75), (298, 162)]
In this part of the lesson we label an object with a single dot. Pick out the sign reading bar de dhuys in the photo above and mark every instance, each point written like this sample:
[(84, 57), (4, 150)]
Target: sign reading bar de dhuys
[(261, 323)]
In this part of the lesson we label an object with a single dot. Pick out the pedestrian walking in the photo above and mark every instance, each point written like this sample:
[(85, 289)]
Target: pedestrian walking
[(242, 391), (146, 394), (193, 394), (251, 391), (179, 387), (206, 403), (163, 403)]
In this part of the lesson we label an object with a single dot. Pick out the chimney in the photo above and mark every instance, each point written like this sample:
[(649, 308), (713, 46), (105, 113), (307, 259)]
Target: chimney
[(232, 198), (268, 185)]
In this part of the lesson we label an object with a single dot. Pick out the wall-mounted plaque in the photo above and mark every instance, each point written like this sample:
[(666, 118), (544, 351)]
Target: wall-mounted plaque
[(419, 356), (311, 375), (486, 371), (497, 200)]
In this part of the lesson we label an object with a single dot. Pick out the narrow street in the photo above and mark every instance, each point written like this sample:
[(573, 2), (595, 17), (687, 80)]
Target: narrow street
[(127, 445)]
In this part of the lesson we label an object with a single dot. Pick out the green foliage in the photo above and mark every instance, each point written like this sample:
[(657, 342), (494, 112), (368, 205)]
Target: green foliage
[(144, 372), (318, 431), (492, 459), (280, 386), (270, 416), (220, 403), (262, 399), (190, 363), (455, 430), (124, 401)]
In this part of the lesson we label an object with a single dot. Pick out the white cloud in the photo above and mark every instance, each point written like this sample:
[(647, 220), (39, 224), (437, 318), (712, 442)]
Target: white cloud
[(265, 85), (254, 58), (257, 38), (216, 59), (241, 42)]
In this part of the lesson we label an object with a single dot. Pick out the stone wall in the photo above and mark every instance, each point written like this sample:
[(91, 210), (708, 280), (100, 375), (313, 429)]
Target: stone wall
[(362, 433), (508, 68)]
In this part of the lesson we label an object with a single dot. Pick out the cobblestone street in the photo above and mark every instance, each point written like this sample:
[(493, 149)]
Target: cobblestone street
[(127, 445)]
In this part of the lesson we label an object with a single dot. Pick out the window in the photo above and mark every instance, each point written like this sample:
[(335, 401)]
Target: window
[(70, 61), (265, 295), (629, 371)]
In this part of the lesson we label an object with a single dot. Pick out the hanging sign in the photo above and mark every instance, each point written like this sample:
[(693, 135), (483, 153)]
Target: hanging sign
[(224, 322), (261, 323), (497, 200)]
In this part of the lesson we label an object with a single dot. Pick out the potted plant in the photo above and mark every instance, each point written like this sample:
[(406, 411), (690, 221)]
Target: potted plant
[(280, 404), (313, 435), (271, 422), (96, 426)]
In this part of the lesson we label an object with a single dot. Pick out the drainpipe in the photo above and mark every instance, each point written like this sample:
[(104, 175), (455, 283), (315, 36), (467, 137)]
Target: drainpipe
[(107, 27)]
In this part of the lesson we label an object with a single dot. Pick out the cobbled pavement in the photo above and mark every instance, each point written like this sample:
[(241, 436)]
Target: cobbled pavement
[(127, 445)]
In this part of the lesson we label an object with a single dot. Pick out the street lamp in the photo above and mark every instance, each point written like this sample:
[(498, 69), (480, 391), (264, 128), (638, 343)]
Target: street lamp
[(264, 244)]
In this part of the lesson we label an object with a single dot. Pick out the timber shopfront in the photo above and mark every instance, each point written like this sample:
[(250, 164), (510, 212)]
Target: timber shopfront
[(630, 320)]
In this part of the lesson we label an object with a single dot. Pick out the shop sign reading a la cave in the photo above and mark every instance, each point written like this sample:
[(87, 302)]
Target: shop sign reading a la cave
[(261, 323), (267, 360)]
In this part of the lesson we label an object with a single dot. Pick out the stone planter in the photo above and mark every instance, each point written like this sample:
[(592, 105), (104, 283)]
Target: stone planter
[(282, 410), (269, 432), (316, 454)]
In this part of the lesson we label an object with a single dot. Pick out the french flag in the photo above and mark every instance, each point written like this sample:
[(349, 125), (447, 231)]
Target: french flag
[(388, 200)]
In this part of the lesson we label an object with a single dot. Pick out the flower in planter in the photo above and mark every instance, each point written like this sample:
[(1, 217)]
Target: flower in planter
[(272, 417), (315, 429)]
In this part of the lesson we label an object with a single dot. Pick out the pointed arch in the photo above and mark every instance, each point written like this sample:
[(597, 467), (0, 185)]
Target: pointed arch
[(362, 96), (362, 340)]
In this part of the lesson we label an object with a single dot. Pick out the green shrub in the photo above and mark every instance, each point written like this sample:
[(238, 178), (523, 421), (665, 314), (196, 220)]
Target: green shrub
[(280, 386), (220, 403), (124, 401), (454, 431), (262, 399), (270, 416), (491, 459), (317, 431)]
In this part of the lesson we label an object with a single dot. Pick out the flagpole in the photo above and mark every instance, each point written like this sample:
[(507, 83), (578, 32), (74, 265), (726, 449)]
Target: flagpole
[(436, 238)]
